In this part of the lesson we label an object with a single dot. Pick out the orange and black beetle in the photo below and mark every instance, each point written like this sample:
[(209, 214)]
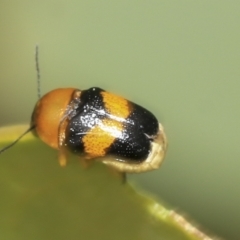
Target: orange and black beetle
[(97, 124)]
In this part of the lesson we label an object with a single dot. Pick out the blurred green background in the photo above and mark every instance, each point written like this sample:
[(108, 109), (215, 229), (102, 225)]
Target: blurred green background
[(179, 59)]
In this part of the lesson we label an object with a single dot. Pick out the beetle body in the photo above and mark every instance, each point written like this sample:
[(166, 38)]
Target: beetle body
[(96, 124)]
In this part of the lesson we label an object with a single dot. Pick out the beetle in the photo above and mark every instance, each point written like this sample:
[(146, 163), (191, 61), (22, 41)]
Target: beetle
[(97, 124)]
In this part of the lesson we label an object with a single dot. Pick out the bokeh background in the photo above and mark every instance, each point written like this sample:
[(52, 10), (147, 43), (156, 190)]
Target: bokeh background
[(179, 59)]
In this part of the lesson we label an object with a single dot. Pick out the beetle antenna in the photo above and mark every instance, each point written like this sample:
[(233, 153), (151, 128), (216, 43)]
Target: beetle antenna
[(39, 96), (13, 143), (38, 71)]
